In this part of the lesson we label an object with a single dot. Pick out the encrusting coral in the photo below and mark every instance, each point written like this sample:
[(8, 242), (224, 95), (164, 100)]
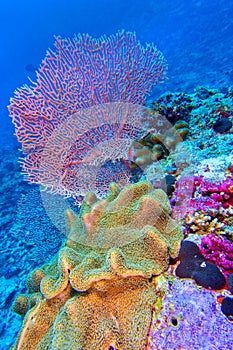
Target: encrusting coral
[(99, 291)]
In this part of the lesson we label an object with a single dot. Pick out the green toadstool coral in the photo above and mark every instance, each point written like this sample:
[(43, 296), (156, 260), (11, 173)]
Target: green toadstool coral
[(98, 292)]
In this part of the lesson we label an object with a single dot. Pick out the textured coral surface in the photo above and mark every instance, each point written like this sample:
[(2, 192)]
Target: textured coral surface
[(188, 317), (98, 292)]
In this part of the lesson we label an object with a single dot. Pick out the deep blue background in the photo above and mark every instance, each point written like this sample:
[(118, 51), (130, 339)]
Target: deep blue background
[(195, 37)]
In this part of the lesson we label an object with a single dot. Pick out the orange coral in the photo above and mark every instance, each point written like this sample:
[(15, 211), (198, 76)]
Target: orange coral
[(98, 292)]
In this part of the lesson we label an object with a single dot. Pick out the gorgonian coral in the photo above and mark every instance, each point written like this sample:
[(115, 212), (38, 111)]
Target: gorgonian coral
[(60, 108)]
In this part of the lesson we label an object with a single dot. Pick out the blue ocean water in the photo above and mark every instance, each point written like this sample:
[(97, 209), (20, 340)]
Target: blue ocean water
[(195, 38)]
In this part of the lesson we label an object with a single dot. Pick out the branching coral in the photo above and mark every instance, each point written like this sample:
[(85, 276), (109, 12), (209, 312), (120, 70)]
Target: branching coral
[(84, 106), (206, 206), (98, 292)]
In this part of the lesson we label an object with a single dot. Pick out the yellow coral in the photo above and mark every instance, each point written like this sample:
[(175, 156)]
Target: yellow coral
[(155, 146), (98, 292), (202, 224)]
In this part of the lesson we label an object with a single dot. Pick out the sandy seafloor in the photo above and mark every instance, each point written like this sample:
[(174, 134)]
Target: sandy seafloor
[(29, 239)]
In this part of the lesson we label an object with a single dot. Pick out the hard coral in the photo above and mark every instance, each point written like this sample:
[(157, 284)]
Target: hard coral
[(206, 206), (98, 292), (158, 143)]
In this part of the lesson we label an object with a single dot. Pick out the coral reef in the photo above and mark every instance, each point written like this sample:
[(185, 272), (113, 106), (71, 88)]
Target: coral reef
[(206, 195), (221, 193), (202, 109), (210, 161), (210, 152), (99, 291), (205, 206)]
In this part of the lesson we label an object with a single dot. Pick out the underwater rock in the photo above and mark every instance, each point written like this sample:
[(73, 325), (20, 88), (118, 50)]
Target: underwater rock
[(169, 186), (193, 265), (222, 125), (230, 283), (190, 257), (227, 307), (190, 251), (99, 291), (208, 275)]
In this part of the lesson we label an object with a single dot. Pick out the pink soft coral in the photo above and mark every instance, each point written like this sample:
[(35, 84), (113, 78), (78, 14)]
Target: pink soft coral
[(218, 250), (194, 193)]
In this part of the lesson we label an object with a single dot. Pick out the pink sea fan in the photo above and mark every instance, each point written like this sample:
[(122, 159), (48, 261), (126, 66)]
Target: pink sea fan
[(73, 158), (80, 74)]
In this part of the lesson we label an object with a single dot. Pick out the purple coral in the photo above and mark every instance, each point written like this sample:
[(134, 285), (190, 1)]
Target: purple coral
[(221, 194), (82, 73), (194, 193), (190, 318), (218, 250)]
